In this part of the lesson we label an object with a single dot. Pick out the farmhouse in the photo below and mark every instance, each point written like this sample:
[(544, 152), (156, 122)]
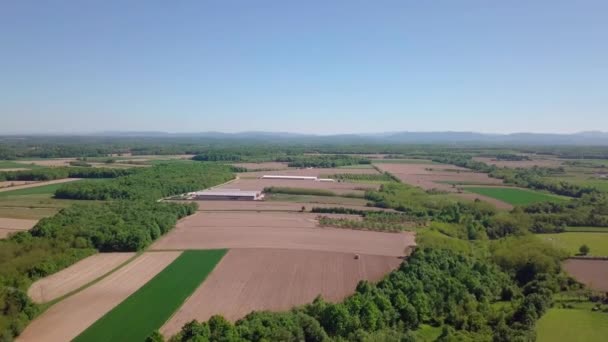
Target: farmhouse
[(228, 194)]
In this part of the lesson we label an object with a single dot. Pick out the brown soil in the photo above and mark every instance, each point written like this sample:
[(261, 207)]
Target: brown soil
[(75, 276), (271, 206), (336, 187), (263, 166), (36, 184), (541, 162), (430, 176), (6, 184), (314, 172), (276, 279), (68, 318), (212, 230), (593, 273), (11, 225)]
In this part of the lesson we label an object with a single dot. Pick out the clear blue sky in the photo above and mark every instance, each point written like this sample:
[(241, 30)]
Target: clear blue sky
[(303, 66)]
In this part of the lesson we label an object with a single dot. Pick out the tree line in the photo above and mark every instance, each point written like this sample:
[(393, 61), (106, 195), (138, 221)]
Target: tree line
[(52, 173)]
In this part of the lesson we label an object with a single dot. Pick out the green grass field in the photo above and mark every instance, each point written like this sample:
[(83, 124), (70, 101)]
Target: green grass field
[(572, 325), (38, 190), (7, 164), (597, 242), (515, 196), (588, 229), (153, 304)]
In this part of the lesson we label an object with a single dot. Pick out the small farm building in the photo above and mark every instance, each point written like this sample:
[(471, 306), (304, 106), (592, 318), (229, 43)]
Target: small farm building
[(237, 195)]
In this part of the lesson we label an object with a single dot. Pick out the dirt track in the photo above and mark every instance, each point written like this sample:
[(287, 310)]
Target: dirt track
[(68, 318), (11, 225), (37, 184), (75, 276), (211, 230), (276, 279), (593, 273)]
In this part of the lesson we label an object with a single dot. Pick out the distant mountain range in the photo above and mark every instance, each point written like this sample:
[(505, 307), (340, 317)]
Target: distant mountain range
[(581, 138)]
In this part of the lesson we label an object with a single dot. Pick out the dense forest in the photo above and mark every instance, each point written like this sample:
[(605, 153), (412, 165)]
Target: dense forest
[(156, 182), (51, 173), (84, 229)]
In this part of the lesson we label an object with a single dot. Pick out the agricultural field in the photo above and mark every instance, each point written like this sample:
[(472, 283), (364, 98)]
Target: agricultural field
[(262, 166), (443, 177), (514, 196), (284, 202), (35, 188), (146, 310), (312, 172), (214, 230), (68, 318), (533, 162), (591, 272), (572, 325), (571, 241), (12, 225), (277, 279), (339, 188), (76, 276), (588, 229)]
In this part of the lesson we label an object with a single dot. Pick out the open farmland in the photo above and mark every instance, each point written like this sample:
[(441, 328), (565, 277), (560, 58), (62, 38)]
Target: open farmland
[(572, 325), (215, 230), (41, 187), (514, 196), (444, 177), (71, 316), (335, 187), (277, 279), (539, 162), (146, 310), (571, 241), (591, 272), (312, 172), (75, 276), (11, 225), (286, 205), (262, 166)]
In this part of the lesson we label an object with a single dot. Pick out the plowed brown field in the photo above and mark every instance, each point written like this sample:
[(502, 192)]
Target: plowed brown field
[(519, 163), (68, 318), (431, 176), (75, 276), (276, 279), (11, 225), (593, 273), (213, 230), (336, 187)]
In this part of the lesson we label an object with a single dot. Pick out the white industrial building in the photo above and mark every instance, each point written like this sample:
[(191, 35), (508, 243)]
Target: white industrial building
[(227, 194)]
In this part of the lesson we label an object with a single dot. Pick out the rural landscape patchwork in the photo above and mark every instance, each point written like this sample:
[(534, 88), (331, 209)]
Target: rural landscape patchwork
[(229, 240)]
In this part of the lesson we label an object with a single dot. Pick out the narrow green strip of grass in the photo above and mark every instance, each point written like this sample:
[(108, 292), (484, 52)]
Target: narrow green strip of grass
[(152, 305), (515, 196)]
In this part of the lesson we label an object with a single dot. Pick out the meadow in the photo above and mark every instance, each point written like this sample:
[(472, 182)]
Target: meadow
[(572, 325), (514, 196), (150, 307), (571, 241)]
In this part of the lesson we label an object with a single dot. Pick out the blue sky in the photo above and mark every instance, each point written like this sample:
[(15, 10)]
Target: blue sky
[(303, 66)]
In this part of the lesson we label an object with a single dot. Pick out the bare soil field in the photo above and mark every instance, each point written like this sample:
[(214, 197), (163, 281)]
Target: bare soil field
[(263, 166), (272, 206), (75, 276), (35, 184), (429, 177), (215, 230), (68, 318), (11, 225), (276, 279), (540, 162), (48, 162), (336, 187), (593, 273), (314, 172), (7, 184)]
